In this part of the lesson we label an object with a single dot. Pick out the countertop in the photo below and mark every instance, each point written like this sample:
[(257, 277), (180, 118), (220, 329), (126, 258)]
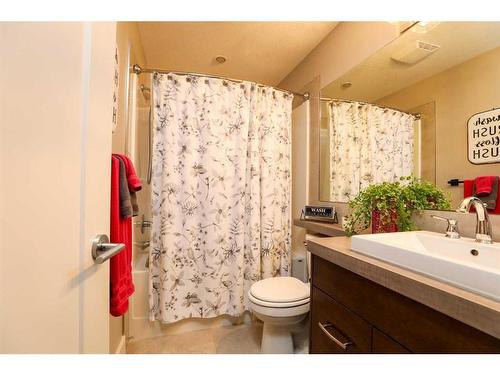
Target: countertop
[(325, 228), (470, 308)]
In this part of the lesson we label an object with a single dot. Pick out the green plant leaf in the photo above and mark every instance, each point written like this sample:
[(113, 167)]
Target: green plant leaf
[(405, 197)]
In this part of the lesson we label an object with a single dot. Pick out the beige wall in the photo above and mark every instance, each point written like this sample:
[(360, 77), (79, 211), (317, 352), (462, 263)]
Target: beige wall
[(127, 39), (458, 93), (300, 149), (344, 48)]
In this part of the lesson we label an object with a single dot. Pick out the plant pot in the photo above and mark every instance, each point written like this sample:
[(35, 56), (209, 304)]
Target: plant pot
[(379, 227)]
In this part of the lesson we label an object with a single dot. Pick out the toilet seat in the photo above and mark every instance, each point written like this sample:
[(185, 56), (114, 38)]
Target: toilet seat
[(280, 297), (260, 302), (280, 291)]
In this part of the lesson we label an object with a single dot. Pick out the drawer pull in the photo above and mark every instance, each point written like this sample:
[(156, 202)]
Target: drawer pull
[(323, 327)]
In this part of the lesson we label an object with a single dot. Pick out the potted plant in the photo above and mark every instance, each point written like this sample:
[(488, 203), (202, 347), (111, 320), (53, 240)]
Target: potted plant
[(388, 206)]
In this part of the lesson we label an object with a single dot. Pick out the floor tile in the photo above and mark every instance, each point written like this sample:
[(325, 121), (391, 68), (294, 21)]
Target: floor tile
[(195, 342), (231, 339)]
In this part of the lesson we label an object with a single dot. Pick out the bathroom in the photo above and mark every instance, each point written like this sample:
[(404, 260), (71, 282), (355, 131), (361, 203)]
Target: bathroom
[(277, 187)]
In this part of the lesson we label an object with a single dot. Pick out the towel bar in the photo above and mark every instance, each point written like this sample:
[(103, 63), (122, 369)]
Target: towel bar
[(455, 182)]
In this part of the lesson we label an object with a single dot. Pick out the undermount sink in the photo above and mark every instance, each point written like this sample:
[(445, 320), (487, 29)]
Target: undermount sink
[(462, 262)]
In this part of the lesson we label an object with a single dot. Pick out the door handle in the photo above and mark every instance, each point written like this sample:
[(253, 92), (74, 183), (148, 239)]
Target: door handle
[(323, 328), (102, 249)]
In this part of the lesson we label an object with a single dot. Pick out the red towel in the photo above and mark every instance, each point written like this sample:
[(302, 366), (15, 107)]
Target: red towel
[(134, 185), (484, 185), (468, 184), (468, 187), (121, 285), (134, 182)]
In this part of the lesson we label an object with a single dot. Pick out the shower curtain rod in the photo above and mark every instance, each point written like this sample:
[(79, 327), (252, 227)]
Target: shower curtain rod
[(416, 116), (137, 69)]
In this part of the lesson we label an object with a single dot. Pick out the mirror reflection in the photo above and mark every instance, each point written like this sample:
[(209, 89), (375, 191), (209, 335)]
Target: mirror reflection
[(405, 111)]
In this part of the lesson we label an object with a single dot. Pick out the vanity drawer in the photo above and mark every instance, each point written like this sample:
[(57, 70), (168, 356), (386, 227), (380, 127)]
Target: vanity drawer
[(383, 344), (335, 329)]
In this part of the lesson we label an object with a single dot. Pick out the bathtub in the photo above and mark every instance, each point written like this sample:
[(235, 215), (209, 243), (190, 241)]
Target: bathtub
[(137, 324)]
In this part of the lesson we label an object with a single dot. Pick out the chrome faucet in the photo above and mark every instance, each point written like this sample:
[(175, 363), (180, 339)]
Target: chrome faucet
[(483, 226)]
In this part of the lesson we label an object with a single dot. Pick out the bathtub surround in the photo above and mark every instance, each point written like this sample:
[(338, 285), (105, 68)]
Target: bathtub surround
[(220, 194), (368, 145)]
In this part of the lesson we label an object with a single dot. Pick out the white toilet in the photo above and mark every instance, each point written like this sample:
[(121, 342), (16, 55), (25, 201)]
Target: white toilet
[(281, 303)]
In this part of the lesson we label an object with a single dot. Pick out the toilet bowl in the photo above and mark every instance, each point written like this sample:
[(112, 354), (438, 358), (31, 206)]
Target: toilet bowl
[(281, 303)]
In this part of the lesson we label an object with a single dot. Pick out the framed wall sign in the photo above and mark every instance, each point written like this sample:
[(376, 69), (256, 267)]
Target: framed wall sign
[(483, 137), (321, 213)]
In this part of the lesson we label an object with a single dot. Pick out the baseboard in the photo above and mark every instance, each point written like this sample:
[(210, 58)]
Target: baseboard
[(122, 346)]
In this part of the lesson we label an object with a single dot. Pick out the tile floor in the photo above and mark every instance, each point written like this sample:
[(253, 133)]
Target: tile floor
[(236, 339)]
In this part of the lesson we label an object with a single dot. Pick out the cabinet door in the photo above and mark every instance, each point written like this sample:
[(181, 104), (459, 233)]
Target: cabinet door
[(335, 329), (383, 344)]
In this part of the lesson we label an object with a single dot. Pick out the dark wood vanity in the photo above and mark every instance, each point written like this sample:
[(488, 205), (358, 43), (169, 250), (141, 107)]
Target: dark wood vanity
[(353, 314)]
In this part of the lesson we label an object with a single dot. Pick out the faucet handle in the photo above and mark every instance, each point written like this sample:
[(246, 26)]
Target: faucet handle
[(452, 229)]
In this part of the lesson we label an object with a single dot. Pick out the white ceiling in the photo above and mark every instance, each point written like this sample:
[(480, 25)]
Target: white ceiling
[(263, 52), (379, 75)]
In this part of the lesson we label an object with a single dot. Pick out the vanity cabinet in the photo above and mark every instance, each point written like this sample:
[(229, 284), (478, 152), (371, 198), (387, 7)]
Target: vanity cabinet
[(351, 314)]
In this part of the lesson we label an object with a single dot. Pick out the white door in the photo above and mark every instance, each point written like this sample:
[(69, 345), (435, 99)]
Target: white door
[(56, 85)]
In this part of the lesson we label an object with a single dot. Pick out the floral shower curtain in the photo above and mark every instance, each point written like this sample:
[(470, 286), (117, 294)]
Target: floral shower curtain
[(220, 194), (368, 145)]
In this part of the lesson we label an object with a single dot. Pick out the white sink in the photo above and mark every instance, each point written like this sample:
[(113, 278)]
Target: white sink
[(434, 255)]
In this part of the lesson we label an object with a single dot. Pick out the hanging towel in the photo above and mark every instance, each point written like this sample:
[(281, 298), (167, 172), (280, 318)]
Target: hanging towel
[(483, 185), (121, 284), (125, 202), (489, 198), (468, 187), (134, 182), (469, 190)]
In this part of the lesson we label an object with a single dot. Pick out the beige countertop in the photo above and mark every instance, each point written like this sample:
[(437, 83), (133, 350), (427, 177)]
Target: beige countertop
[(468, 307), (325, 228)]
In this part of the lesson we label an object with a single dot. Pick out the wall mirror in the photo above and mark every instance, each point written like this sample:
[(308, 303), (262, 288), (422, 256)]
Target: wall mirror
[(436, 76)]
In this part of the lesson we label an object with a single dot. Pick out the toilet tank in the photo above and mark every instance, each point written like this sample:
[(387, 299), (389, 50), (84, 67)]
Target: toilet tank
[(299, 267), (301, 261)]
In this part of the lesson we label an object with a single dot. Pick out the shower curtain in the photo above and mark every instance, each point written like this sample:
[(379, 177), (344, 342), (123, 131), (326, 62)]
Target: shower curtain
[(220, 194), (368, 145)]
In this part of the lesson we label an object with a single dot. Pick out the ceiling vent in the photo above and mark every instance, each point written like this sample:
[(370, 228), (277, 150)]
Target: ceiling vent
[(415, 52)]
